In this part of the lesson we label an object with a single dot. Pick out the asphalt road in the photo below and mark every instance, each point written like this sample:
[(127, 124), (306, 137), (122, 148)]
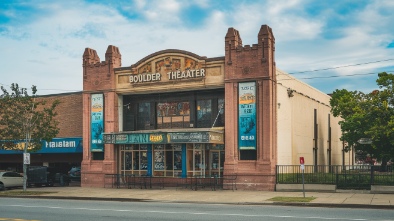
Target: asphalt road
[(53, 210)]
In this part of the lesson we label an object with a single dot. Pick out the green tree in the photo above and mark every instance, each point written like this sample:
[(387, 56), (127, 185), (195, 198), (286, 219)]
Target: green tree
[(25, 121), (368, 116)]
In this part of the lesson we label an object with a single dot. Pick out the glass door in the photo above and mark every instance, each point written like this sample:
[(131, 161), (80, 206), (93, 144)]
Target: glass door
[(199, 162), (214, 158), (196, 160)]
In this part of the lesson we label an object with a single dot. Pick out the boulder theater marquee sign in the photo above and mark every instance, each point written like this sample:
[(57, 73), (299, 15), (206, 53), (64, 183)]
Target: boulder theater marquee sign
[(172, 75), (167, 68), (165, 137)]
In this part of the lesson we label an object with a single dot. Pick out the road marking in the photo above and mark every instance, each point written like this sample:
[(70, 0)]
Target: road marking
[(192, 213), (16, 219)]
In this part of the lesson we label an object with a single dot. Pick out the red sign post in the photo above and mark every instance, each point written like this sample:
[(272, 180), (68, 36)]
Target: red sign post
[(302, 168), (302, 160)]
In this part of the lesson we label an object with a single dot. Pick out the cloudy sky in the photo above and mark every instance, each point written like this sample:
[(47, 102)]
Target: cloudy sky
[(330, 45)]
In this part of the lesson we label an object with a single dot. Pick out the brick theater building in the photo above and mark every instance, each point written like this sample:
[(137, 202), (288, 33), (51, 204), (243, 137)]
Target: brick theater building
[(175, 114)]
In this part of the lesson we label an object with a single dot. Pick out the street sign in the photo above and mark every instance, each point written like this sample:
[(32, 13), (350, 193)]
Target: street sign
[(365, 141), (302, 160), (26, 158)]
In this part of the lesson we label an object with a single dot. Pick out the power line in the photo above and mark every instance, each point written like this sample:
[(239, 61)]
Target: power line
[(350, 65), (332, 76), (300, 72)]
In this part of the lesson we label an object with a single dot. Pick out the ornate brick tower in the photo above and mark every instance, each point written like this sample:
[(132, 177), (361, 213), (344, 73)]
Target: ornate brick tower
[(251, 152), (99, 79)]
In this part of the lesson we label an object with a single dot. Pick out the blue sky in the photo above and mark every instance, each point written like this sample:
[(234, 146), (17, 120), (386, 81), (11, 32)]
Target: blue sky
[(330, 45)]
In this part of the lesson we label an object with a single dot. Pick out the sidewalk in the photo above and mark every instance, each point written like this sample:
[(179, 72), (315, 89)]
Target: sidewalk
[(343, 199)]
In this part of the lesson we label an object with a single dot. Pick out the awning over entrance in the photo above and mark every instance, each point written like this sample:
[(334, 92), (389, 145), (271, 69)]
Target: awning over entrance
[(201, 135)]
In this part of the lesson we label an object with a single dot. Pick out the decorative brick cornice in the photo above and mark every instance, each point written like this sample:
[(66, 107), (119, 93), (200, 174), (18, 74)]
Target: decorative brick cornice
[(169, 51)]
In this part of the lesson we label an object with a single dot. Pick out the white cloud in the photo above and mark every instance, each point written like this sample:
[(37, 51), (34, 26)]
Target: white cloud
[(168, 6), (291, 23), (47, 51), (361, 40), (202, 3), (140, 4), (278, 8), (280, 16), (296, 28), (164, 12)]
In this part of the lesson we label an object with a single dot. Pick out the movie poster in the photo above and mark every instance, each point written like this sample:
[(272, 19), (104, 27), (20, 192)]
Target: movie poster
[(247, 116), (97, 123)]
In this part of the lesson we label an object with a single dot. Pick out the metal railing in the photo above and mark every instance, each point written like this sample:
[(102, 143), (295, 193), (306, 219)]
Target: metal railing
[(228, 181), (345, 177)]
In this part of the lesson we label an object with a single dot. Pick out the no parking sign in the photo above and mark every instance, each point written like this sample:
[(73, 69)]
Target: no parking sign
[(26, 158), (302, 163), (302, 168)]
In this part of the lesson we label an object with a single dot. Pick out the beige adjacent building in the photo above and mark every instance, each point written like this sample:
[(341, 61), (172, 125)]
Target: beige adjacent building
[(298, 103)]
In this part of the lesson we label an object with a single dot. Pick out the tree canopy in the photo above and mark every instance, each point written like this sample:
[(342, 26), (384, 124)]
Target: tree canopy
[(368, 116), (26, 120)]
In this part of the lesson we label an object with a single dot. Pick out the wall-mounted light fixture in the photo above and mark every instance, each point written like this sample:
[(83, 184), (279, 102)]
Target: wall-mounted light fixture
[(290, 92), (127, 105)]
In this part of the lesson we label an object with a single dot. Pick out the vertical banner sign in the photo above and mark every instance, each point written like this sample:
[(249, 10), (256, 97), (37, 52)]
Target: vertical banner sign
[(247, 116), (97, 123)]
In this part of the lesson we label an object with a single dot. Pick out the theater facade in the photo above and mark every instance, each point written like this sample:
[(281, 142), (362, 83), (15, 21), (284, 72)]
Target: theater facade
[(176, 114)]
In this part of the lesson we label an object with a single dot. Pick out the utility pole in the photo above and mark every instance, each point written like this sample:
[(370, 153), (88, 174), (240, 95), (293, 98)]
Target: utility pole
[(28, 126)]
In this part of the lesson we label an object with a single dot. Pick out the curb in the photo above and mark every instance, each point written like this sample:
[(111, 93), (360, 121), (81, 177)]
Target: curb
[(266, 203)]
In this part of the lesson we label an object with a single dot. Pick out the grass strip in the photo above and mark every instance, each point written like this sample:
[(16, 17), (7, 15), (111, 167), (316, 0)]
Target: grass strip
[(292, 199), (23, 193)]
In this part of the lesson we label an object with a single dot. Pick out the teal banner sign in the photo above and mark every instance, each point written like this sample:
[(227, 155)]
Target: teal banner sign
[(247, 116), (97, 123)]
